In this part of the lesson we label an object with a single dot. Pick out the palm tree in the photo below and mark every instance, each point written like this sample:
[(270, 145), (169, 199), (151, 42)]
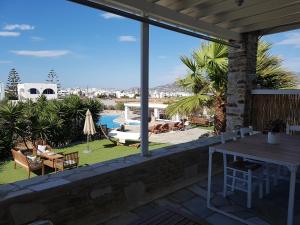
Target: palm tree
[(207, 76)]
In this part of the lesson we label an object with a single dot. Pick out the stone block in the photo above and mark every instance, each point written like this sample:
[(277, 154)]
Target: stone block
[(134, 192), (99, 192), (23, 213)]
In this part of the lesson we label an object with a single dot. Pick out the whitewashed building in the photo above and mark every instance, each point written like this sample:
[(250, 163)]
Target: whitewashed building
[(2, 91), (33, 91)]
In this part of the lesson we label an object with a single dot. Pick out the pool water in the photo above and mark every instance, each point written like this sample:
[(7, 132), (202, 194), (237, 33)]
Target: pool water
[(109, 121)]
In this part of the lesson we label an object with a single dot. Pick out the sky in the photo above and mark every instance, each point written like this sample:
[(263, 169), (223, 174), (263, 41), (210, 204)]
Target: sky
[(91, 48)]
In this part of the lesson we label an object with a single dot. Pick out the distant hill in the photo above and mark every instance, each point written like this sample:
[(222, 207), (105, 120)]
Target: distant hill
[(173, 87)]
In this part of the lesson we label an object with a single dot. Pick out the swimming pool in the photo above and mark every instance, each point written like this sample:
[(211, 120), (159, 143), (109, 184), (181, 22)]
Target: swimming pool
[(109, 121)]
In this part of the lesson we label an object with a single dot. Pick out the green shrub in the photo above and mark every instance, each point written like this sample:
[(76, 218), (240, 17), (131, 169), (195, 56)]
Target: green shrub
[(58, 122), (120, 106)]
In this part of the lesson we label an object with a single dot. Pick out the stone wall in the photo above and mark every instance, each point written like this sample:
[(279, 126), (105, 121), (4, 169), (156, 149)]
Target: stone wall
[(96, 193), (241, 80)]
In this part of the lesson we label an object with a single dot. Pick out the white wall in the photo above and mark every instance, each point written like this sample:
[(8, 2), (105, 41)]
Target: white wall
[(24, 91)]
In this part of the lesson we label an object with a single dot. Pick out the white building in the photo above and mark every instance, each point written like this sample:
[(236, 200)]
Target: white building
[(35, 90), (157, 111), (2, 91)]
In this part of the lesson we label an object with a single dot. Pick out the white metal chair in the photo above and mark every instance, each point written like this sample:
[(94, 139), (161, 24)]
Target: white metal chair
[(291, 129), (241, 173), (248, 131)]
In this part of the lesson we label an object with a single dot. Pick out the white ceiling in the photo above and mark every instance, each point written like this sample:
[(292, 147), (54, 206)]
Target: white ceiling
[(218, 18)]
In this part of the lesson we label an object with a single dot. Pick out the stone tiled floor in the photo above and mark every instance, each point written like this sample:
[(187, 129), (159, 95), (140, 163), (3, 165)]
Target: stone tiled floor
[(271, 210)]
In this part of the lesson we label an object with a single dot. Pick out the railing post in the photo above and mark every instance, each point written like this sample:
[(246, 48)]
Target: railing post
[(144, 87)]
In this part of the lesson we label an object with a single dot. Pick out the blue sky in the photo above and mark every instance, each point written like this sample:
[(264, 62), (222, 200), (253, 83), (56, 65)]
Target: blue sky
[(88, 47)]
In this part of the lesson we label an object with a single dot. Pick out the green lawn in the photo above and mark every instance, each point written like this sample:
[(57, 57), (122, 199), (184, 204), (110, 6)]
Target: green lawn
[(102, 150)]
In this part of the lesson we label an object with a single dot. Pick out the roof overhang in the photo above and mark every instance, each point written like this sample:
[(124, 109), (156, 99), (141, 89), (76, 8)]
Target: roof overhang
[(220, 19)]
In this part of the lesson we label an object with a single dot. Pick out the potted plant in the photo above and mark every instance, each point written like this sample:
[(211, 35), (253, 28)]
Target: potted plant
[(274, 127)]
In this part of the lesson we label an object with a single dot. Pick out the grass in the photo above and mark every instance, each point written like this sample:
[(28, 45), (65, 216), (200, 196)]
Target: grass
[(102, 150)]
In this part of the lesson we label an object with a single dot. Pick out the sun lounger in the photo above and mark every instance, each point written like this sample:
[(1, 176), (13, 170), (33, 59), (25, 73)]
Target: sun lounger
[(178, 126), (156, 129), (165, 128), (124, 136)]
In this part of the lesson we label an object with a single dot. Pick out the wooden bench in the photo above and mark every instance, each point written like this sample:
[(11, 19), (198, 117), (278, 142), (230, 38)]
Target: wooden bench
[(24, 162)]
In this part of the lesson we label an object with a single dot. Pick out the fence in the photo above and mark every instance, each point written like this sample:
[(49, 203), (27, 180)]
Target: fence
[(270, 105)]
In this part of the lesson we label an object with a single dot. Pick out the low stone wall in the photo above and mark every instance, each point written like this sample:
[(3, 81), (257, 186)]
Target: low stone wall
[(96, 193)]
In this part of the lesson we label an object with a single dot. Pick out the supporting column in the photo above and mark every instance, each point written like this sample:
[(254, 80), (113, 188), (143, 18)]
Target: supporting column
[(241, 80), (144, 87), (156, 113), (126, 114)]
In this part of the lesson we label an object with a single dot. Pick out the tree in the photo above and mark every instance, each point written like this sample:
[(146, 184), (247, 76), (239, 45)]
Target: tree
[(58, 122), (208, 69), (12, 85), (120, 106), (53, 79)]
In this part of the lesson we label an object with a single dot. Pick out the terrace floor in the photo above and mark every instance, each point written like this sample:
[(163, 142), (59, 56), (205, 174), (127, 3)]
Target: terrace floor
[(271, 210)]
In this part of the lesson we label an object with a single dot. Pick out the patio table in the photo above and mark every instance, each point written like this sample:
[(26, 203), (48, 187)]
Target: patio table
[(286, 153), (51, 158)]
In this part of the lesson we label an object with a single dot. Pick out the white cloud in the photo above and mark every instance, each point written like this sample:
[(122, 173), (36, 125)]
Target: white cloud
[(18, 27), (9, 34), (127, 38), (35, 38), (42, 53), (5, 62), (108, 15), (174, 73), (162, 57), (292, 39), (292, 64)]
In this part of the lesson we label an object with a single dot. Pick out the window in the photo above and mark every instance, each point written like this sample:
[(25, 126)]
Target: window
[(48, 91), (33, 91)]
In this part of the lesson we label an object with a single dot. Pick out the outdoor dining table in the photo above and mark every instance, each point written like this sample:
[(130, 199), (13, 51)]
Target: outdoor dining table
[(285, 153), (51, 157)]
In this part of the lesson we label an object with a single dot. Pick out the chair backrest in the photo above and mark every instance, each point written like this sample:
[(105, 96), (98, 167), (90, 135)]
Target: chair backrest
[(290, 129), (20, 158), (246, 131), (71, 156), (226, 136)]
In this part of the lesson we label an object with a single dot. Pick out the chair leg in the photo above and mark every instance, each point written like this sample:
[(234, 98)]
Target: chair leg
[(261, 185), (249, 189), (43, 170), (233, 183), (225, 176), (277, 175), (29, 174), (15, 165), (267, 178)]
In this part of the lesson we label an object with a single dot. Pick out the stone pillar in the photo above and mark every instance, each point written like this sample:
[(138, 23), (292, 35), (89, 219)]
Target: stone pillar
[(241, 80)]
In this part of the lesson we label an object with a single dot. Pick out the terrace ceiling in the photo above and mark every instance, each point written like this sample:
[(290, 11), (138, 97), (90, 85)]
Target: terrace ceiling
[(218, 18)]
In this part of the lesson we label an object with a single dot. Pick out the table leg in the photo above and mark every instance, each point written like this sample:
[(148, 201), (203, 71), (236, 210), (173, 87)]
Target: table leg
[(290, 217), (211, 151)]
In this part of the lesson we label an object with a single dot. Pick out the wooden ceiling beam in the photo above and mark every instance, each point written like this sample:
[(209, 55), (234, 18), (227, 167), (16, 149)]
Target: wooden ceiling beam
[(178, 19), (259, 8), (290, 10), (272, 23)]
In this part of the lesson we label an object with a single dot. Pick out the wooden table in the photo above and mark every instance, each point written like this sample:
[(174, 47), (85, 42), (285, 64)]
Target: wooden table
[(286, 153), (51, 159)]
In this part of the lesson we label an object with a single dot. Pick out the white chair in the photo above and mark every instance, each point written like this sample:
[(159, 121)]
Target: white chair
[(291, 129), (248, 131), (241, 173)]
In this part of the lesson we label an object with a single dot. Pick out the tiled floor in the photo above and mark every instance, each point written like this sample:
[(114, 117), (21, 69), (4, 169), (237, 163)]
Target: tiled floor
[(271, 210)]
